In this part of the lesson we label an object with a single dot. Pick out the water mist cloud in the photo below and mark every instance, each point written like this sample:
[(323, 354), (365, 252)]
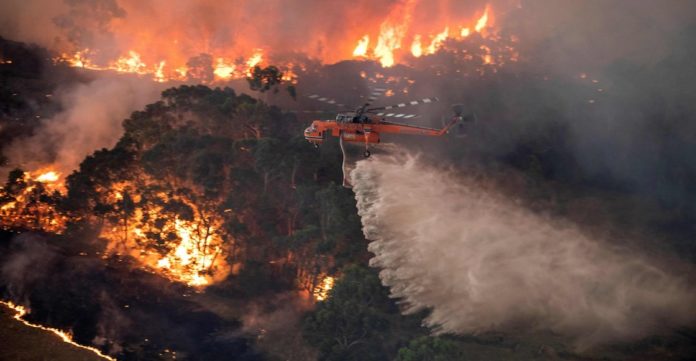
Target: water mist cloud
[(483, 263)]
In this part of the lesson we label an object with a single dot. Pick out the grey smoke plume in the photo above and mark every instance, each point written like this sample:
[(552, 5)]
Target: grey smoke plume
[(91, 119), (27, 261), (483, 263)]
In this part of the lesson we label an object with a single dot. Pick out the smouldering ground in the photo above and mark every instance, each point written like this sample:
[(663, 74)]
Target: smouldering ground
[(22, 343)]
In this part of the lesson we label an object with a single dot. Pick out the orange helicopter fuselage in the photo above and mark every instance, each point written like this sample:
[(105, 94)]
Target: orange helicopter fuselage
[(364, 129)]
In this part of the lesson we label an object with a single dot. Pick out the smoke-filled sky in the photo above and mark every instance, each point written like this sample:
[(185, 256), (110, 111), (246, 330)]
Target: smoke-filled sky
[(483, 263), (574, 31), (90, 120), (177, 30)]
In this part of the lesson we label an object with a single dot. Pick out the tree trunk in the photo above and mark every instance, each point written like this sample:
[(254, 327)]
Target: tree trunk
[(266, 176), (293, 174)]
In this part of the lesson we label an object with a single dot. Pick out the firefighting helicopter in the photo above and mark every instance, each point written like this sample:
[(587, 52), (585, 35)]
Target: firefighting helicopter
[(365, 124)]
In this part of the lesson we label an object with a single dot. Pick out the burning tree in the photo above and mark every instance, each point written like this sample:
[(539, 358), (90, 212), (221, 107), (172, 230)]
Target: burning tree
[(30, 200), (204, 182)]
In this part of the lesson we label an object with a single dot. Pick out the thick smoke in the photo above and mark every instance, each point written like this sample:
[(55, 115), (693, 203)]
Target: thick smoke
[(275, 324), (91, 119), (27, 261), (483, 263)]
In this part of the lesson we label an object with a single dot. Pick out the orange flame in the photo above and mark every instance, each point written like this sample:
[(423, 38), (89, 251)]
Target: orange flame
[(48, 177), (397, 26), (321, 292), (160, 71), (194, 252), (130, 64), (26, 207), (482, 21), (224, 69), (361, 48), (388, 41), (416, 49), (380, 39), (437, 41), (188, 261)]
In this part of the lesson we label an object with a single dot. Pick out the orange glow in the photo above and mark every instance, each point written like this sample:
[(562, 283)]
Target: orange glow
[(223, 69), (397, 26), (159, 72), (416, 49), (482, 21), (28, 208), (181, 72), (20, 311), (388, 41), (188, 261), (48, 177), (487, 57), (380, 37), (437, 41), (361, 48), (392, 32), (255, 59), (194, 252), (321, 291), (289, 75), (130, 64)]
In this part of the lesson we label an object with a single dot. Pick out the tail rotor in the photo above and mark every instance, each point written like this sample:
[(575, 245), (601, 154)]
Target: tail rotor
[(461, 118)]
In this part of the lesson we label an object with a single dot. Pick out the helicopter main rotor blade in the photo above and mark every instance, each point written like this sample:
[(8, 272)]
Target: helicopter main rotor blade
[(398, 115), (376, 93), (325, 100), (313, 111), (407, 104)]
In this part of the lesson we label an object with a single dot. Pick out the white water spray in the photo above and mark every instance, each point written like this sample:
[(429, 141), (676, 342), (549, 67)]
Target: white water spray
[(483, 263)]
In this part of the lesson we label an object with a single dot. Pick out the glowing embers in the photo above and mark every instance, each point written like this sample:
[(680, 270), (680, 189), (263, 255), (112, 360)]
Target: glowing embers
[(321, 291), (21, 311)]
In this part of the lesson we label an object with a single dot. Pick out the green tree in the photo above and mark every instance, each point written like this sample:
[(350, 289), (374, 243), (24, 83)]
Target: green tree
[(358, 321), (428, 348), (265, 79)]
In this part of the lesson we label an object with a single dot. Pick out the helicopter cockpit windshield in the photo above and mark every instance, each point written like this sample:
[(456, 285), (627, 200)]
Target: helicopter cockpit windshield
[(351, 118), (344, 118)]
